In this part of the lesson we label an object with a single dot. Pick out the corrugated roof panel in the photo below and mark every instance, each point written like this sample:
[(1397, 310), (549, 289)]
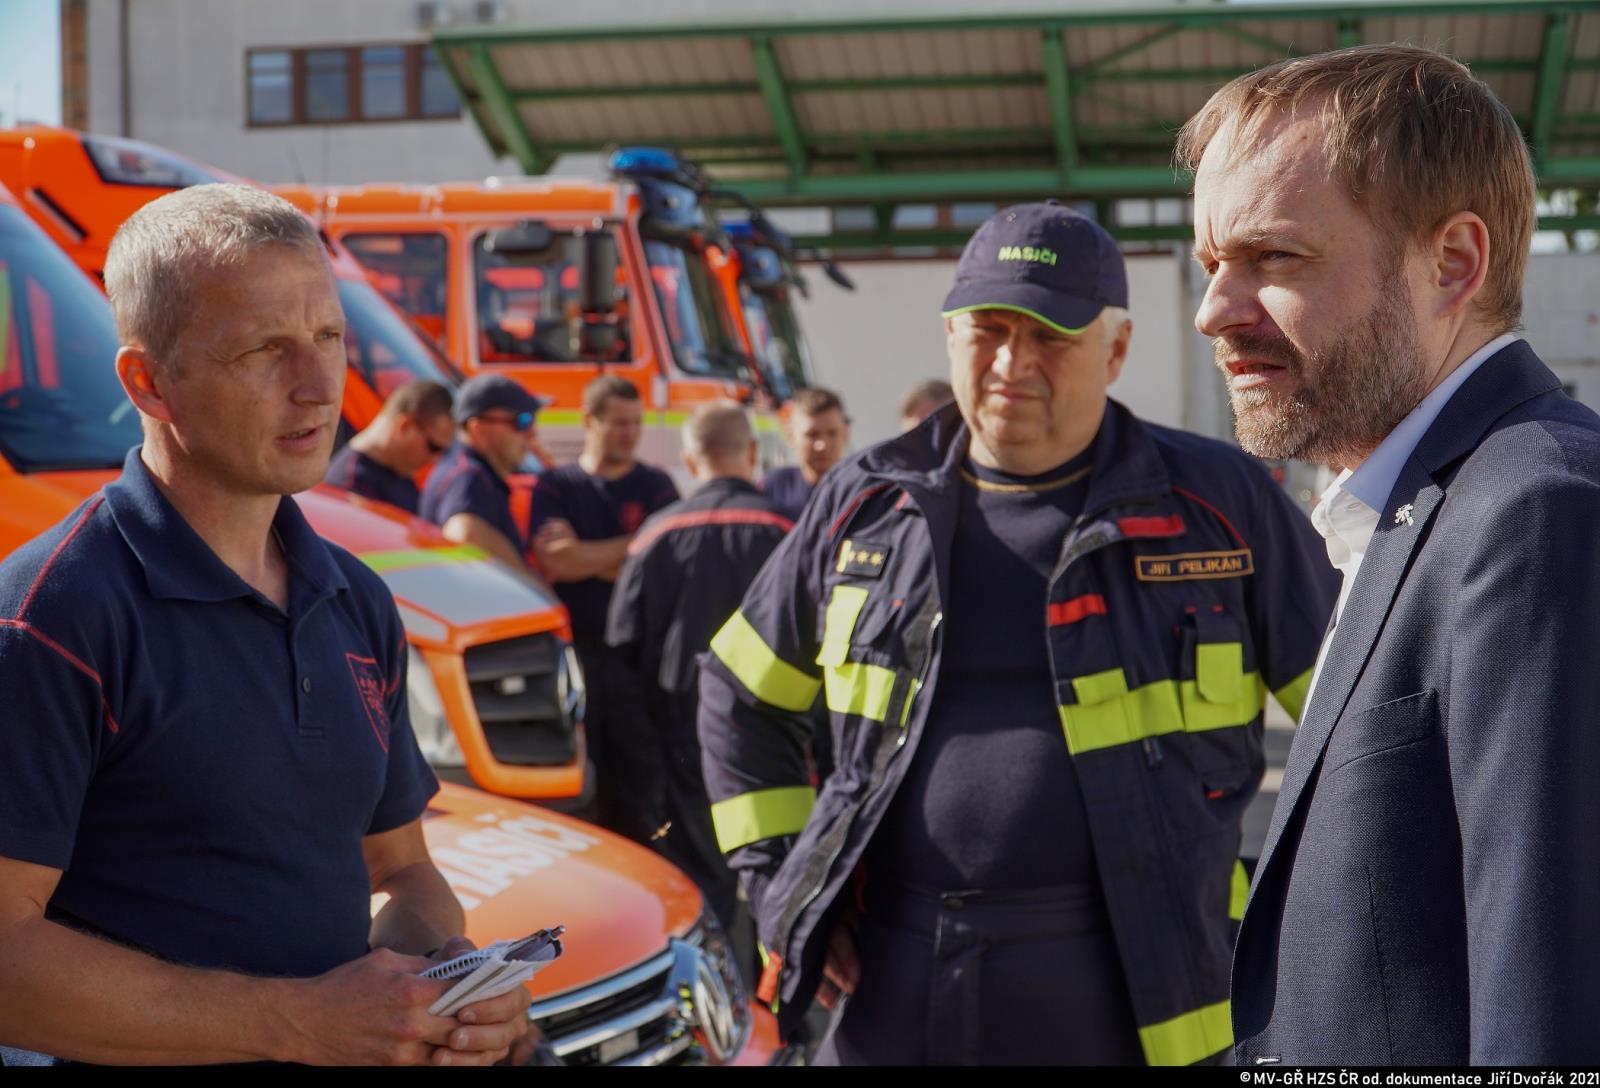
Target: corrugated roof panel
[(1481, 37), (1515, 89), (1582, 93), (915, 110), (601, 120), (601, 65), (1585, 33), (889, 55)]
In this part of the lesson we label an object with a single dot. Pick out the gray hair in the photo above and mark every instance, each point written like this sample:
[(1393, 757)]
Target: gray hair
[(1115, 318), (161, 254), (718, 429)]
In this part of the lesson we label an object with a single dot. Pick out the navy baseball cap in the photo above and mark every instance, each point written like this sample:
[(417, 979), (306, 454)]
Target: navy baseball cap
[(1044, 260), (487, 392)]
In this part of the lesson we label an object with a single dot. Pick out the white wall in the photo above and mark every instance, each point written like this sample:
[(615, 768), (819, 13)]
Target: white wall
[(873, 344)]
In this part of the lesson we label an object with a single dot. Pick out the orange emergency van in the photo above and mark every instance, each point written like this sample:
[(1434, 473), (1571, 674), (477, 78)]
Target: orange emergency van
[(648, 977), (552, 281)]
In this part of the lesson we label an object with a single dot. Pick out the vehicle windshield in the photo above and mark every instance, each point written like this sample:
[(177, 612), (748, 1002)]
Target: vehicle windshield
[(528, 303), (382, 347), (61, 406), (775, 334), (699, 328)]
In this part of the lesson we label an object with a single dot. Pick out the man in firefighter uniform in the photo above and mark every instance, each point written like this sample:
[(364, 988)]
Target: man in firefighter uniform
[(1044, 632)]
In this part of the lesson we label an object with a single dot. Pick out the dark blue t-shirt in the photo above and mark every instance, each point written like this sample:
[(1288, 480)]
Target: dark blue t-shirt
[(597, 509), (991, 800), (201, 764), (463, 482), (786, 488), (356, 472)]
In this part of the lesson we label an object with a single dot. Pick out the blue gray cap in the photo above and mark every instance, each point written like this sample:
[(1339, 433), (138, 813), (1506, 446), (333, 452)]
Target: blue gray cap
[(487, 392), (1044, 260)]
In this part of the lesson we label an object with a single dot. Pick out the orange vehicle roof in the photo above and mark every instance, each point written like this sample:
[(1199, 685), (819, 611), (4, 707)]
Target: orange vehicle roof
[(511, 196)]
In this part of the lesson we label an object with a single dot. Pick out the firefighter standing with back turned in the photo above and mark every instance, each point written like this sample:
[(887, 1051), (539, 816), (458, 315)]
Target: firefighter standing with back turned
[(1044, 632)]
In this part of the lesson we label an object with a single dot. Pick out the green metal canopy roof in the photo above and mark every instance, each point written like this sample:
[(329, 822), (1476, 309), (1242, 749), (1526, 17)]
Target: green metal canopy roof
[(984, 107)]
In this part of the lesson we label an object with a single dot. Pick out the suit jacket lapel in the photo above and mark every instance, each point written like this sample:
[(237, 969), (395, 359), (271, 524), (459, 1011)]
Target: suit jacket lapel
[(1401, 527), (1509, 378)]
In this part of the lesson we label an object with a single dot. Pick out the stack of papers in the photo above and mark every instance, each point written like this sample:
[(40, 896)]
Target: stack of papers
[(495, 970)]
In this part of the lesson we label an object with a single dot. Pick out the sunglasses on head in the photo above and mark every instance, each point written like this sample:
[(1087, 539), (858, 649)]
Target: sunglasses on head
[(522, 421)]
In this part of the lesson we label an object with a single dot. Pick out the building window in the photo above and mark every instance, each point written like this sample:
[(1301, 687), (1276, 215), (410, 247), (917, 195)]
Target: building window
[(383, 82), (438, 93), (271, 87), (327, 85), (327, 82)]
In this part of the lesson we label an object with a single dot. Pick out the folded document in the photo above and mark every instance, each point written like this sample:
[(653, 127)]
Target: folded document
[(495, 970)]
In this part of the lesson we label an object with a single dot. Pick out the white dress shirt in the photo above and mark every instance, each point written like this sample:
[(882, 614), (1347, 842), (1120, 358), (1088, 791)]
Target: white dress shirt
[(1350, 508)]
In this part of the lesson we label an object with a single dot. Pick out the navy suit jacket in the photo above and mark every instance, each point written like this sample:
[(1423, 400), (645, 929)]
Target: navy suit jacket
[(1429, 891)]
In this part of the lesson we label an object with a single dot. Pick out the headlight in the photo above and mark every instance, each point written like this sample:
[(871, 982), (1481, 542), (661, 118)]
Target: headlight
[(428, 721), (570, 689), (711, 997)]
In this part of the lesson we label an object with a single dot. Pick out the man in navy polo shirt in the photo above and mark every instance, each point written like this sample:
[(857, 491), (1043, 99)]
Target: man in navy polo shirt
[(468, 494), (583, 517), (413, 429), (209, 767), (819, 434)]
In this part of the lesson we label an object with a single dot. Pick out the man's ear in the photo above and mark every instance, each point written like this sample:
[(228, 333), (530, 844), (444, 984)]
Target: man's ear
[(137, 370), (1458, 262), (1119, 351)]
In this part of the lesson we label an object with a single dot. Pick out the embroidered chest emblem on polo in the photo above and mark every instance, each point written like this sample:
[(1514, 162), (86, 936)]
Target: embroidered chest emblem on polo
[(1194, 566), (1402, 516), (863, 560), (369, 684)]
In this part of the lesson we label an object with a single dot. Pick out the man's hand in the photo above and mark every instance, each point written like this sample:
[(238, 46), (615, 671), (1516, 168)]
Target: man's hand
[(491, 1031), (842, 972), (370, 1011)]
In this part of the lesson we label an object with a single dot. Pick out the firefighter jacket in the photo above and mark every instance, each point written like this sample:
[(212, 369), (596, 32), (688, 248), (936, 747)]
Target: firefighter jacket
[(1188, 588)]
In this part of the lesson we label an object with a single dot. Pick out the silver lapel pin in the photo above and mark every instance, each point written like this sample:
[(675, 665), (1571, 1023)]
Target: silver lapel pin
[(1402, 516)]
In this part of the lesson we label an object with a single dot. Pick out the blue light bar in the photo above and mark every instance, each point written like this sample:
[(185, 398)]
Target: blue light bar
[(646, 162)]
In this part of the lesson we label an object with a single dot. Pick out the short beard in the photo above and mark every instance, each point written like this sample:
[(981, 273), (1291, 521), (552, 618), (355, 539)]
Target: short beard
[(1348, 394)]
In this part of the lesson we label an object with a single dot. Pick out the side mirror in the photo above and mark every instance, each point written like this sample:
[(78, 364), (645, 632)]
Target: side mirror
[(597, 274), (526, 239)]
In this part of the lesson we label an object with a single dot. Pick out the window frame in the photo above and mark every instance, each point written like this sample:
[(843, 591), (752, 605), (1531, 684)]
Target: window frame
[(355, 68)]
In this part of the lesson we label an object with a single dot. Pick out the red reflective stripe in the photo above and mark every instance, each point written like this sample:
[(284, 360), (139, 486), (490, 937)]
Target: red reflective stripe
[(71, 659), (1148, 527), (708, 517), (860, 498), (1223, 517), (38, 579), (1065, 612)]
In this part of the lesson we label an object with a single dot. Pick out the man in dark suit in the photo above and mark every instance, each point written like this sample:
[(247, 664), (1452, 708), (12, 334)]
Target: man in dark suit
[(1427, 891)]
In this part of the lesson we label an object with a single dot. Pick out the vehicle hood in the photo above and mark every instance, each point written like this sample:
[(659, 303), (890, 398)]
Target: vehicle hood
[(517, 868)]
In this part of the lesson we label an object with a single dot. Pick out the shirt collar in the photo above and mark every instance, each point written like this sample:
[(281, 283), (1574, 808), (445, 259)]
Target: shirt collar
[(179, 564), (482, 462), (1372, 482), (730, 485)]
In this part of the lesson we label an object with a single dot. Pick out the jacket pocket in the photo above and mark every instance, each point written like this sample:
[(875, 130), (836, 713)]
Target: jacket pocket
[(1387, 726)]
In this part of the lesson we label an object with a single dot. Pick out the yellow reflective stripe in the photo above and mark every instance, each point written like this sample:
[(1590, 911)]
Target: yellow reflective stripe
[(1108, 714), (1292, 696), (865, 690), (1239, 893), (763, 673), (566, 417), (422, 557), (844, 608), (1189, 1038), (764, 814)]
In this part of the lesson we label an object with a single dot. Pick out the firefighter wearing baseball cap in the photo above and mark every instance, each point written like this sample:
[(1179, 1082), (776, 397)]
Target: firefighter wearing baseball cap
[(1043, 631)]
